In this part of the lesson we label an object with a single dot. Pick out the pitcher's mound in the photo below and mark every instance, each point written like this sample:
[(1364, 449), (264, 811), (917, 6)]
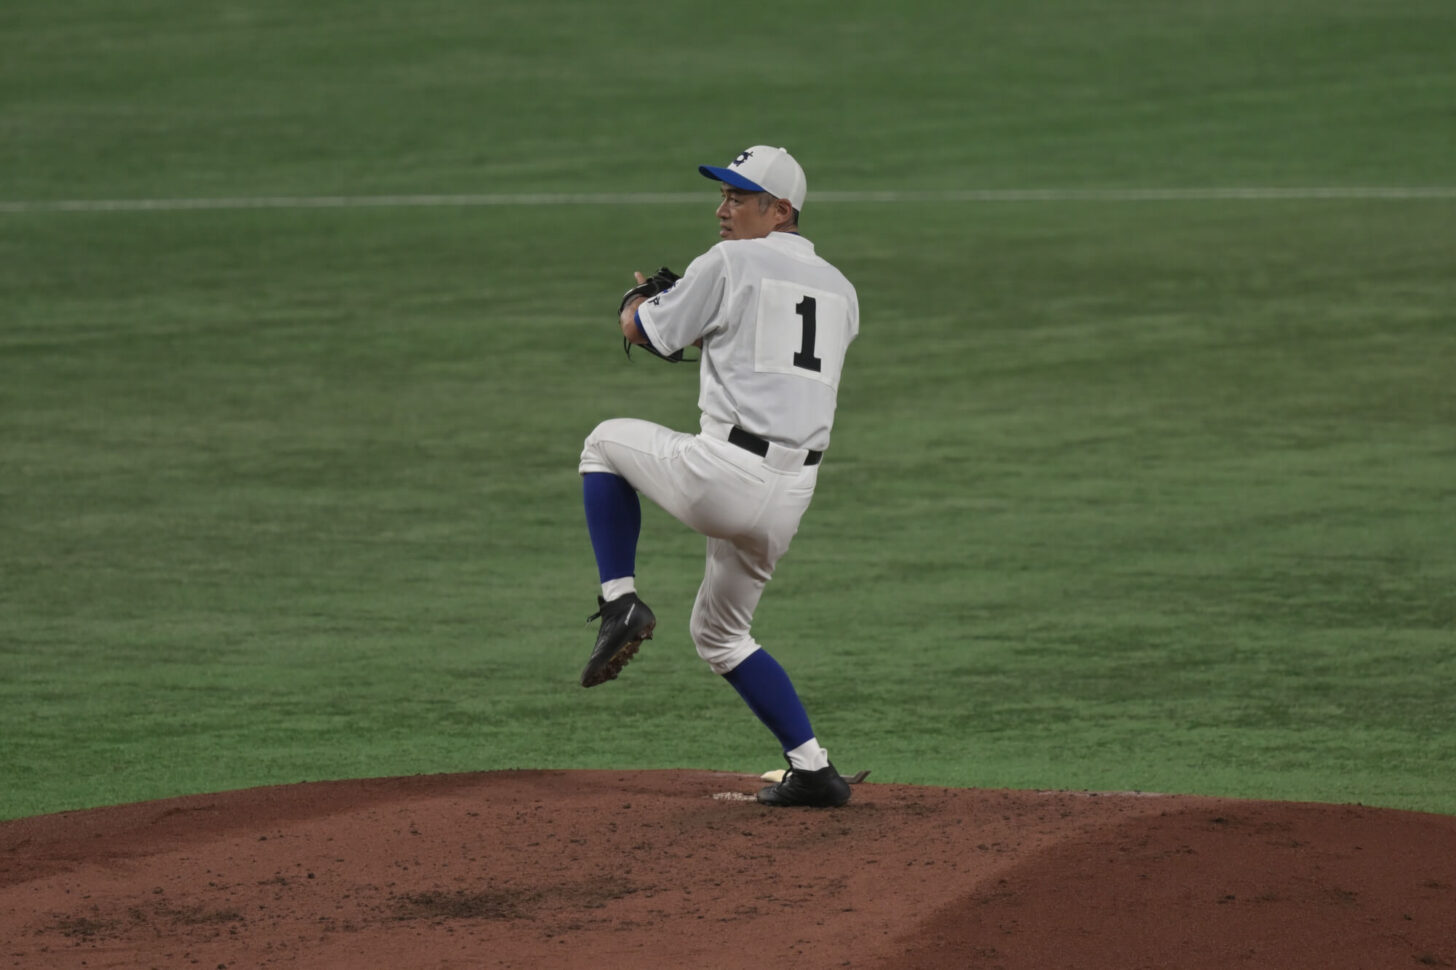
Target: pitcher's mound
[(618, 869)]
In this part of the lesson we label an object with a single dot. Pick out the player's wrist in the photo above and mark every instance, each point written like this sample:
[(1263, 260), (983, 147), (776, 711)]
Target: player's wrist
[(631, 329)]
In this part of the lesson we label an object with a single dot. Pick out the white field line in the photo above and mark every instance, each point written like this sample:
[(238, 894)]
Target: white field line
[(696, 198)]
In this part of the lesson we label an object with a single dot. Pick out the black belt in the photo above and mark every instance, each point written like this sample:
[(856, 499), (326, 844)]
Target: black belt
[(749, 441)]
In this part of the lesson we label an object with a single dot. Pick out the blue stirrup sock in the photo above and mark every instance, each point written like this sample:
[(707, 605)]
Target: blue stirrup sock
[(769, 693), (614, 520)]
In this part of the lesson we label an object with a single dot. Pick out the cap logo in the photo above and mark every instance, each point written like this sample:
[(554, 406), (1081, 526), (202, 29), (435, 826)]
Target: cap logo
[(745, 156)]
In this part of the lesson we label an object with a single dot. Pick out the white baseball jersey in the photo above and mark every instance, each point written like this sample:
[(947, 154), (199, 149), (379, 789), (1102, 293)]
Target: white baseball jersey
[(775, 321)]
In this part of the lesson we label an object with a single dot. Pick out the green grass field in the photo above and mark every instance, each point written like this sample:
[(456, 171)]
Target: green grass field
[(1124, 494)]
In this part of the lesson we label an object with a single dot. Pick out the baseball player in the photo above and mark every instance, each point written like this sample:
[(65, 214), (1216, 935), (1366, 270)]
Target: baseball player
[(773, 321)]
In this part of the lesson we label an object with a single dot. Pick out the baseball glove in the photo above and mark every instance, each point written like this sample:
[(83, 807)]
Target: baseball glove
[(658, 282)]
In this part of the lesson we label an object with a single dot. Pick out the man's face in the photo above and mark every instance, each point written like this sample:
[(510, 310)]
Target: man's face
[(741, 216)]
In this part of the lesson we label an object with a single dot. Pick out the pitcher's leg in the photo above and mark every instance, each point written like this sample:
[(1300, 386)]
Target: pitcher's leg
[(620, 458), (733, 583), (647, 456), (613, 521), (616, 457), (723, 610)]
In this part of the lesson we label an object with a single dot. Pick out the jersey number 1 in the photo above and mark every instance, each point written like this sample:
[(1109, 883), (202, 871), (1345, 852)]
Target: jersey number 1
[(805, 356), (811, 351)]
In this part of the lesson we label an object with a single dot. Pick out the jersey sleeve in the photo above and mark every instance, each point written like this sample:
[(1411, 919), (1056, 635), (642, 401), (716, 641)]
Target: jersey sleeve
[(692, 309)]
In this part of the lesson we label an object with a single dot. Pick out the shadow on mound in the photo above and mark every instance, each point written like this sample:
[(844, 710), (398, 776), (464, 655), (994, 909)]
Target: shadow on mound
[(616, 869)]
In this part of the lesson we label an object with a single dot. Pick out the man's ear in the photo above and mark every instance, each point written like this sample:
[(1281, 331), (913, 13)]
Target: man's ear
[(785, 211)]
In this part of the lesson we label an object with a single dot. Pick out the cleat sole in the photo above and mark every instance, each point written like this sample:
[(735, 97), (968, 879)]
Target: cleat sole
[(612, 668)]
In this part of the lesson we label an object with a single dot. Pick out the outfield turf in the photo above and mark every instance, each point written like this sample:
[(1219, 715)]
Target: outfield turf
[(1124, 494)]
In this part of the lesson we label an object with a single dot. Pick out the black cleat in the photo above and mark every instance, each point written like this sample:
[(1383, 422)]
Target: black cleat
[(824, 788), (626, 622)]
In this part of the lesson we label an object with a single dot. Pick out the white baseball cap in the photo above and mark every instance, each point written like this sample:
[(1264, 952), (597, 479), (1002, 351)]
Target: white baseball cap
[(763, 168)]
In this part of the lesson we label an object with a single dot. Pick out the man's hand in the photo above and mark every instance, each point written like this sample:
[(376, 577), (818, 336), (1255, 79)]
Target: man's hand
[(647, 287)]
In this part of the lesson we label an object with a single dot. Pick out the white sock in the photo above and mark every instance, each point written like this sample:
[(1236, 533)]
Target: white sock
[(809, 756), (617, 588)]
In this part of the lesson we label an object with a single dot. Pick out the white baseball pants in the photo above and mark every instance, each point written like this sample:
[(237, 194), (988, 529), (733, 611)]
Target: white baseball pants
[(748, 506)]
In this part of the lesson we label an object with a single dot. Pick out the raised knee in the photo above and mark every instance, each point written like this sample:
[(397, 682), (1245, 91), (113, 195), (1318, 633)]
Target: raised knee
[(593, 440), (593, 459)]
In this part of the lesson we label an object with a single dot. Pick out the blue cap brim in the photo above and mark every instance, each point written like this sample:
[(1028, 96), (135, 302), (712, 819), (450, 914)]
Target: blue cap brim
[(731, 177)]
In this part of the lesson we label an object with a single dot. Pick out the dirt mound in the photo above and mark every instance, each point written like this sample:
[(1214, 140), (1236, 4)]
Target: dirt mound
[(617, 869)]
